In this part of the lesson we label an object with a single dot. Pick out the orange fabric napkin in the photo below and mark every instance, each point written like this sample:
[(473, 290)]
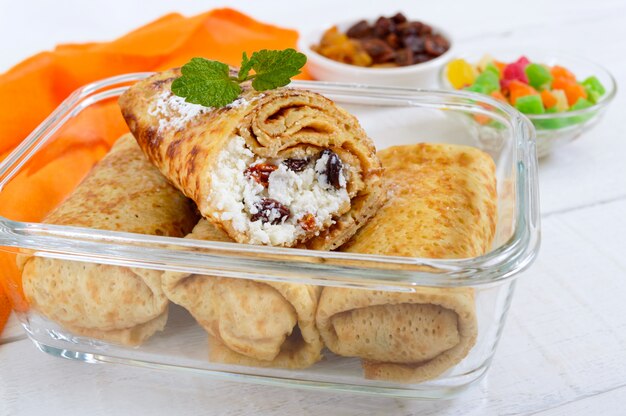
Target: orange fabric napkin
[(34, 88), (5, 309)]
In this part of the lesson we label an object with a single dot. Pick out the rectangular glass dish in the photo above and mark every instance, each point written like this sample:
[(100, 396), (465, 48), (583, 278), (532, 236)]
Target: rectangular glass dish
[(390, 116)]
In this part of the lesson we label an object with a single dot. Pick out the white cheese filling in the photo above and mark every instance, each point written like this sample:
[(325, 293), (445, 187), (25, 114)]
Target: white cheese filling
[(173, 112), (237, 197)]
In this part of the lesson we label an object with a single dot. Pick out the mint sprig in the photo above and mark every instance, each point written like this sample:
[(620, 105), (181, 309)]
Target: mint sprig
[(210, 84), (206, 83), (274, 69), (244, 69)]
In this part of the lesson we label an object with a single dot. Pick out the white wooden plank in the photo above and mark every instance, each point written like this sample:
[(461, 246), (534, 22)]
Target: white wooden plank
[(606, 404), (12, 331), (565, 338)]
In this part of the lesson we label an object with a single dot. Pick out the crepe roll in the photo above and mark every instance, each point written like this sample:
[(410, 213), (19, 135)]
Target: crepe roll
[(286, 167), (123, 192), (442, 204), (262, 324)]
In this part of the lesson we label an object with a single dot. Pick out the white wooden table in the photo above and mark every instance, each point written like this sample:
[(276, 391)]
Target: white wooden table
[(563, 351)]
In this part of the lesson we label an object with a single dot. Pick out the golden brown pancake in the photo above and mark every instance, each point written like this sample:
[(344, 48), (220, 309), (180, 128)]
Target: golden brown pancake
[(123, 192), (442, 204), (263, 324), (300, 148)]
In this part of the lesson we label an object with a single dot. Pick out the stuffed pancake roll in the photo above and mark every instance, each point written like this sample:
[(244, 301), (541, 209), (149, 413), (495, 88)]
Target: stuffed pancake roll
[(263, 324), (442, 204), (285, 167), (123, 192)]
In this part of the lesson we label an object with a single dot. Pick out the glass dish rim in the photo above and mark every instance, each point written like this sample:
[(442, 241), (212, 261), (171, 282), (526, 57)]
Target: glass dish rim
[(323, 267), (600, 105)]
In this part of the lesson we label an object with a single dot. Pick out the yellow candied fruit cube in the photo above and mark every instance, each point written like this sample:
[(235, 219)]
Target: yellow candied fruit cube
[(561, 100), (484, 61), (461, 73)]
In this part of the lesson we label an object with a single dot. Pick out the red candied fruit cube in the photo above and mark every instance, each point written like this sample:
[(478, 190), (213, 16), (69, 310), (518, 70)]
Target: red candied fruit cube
[(523, 61), (514, 71)]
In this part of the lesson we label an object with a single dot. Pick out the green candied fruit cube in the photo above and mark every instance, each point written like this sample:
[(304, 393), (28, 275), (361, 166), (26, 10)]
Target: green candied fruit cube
[(491, 67), (581, 104), (592, 95), (594, 84), (489, 81), (539, 76), (479, 88), (530, 104), (550, 123)]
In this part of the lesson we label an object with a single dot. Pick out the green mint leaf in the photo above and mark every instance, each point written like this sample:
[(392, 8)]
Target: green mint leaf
[(210, 84), (207, 83), (274, 69), (246, 66)]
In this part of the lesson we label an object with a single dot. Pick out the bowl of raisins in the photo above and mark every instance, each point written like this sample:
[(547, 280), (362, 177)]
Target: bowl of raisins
[(389, 51)]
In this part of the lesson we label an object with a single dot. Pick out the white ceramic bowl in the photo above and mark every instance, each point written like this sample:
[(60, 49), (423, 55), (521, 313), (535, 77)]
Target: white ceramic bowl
[(423, 75)]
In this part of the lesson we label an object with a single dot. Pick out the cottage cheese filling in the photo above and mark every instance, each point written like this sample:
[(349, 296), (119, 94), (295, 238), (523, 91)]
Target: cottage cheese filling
[(173, 112), (284, 204)]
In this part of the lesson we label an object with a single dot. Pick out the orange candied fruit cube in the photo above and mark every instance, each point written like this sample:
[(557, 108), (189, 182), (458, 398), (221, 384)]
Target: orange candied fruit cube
[(549, 100), (519, 89), (497, 94), (499, 65), (562, 72), (574, 92), (561, 83), (482, 118)]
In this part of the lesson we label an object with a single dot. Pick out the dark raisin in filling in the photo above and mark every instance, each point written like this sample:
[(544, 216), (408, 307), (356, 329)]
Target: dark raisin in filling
[(272, 211), (261, 173), (333, 168), (296, 165)]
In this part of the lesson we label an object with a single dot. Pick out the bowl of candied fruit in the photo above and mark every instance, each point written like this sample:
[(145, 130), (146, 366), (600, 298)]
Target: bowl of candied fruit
[(387, 50), (563, 96)]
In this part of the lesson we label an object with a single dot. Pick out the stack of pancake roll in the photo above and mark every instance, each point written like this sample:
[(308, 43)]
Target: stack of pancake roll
[(123, 192), (287, 168)]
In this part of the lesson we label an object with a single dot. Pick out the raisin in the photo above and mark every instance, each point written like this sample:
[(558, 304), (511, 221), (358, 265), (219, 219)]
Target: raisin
[(360, 30), (270, 210), (410, 28), (414, 42), (333, 168), (384, 26), (261, 173), (378, 50), (435, 45), (393, 40), (418, 58), (425, 29), (399, 18), (404, 57), (307, 222), (296, 165)]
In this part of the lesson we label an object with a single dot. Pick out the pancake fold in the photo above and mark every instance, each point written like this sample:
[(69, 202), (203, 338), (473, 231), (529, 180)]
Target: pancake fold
[(253, 323), (123, 192), (442, 204), (285, 167)]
